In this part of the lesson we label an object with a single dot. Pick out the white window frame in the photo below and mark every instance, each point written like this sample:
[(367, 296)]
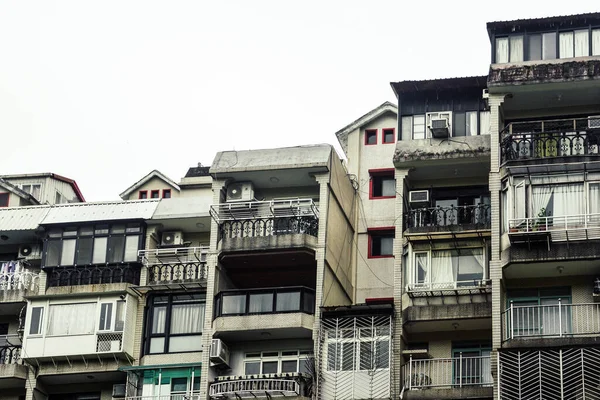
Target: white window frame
[(262, 356), (356, 340), (31, 187), (439, 114)]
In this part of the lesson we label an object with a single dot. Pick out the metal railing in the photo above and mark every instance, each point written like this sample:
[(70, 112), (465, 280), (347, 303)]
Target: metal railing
[(550, 138), (20, 280), (173, 396), (269, 227), (265, 301), (175, 264), (74, 276), (447, 372), (442, 218), (253, 388), (588, 224), (553, 320), (441, 286), (10, 354)]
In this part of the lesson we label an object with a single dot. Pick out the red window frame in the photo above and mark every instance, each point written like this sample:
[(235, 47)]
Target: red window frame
[(153, 192), (166, 191), (392, 130), (144, 192), (380, 231), (379, 173), (5, 203), (370, 132)]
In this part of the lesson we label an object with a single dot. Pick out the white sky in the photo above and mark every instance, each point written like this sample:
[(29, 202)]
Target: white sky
[(105, 91)]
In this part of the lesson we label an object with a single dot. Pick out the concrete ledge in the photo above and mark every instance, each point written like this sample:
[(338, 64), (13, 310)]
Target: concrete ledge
[(252, 327), (411, 153), (455, 393), (14, 296), (534, 72), (534, 343), (447, 312), (13, 372), (87, 289), (261, 243)]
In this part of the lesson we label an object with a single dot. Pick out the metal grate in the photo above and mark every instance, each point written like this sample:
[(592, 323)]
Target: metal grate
[(110, 342), (252, 388)]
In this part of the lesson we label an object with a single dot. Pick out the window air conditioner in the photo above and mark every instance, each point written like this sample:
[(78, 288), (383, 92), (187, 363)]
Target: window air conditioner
[(174, 238), (118, 391), (219, 353), (30, 252), (439, 124), (418, 198), (240, 191)]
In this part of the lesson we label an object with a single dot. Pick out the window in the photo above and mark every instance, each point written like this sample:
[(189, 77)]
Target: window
[(542, 46), (370, 136), (574, 44), (475, 365), (413, 127), (277, 362), (382, 184), (360, 349), (465, 124), (143, 194), (33, 189), (166, 193), (71, 319), (484, 123), (447, 269), (4, 199), (381, 242), (175, 323), (37, 315), (536, 311), (172, 383), (596, 42), (388, 135), (92, 245), (155, 194), (509, 49)]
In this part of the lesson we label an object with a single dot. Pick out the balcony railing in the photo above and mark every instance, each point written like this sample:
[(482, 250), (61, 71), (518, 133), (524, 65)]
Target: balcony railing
[(250, 387), (10, 354), (175, 264), (456, 372), (266, 218), (553, 320), (552, 138), (19, 280), (458, 287), (265, 301), (74, 276), (172, 396), (561, 228), (447, 218)]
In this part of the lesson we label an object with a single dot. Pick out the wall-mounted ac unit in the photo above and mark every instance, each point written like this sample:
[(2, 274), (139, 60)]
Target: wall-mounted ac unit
[(240, 191), (418, 198), (30, 251), (440, 124), (174, 238), (219, 353), (594, 122), (118, 391)]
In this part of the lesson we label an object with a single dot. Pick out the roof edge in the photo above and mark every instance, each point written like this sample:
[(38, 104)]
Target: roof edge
[(152, 174), (368, 117)]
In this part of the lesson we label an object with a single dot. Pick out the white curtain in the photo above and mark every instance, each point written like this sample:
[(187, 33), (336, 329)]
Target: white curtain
[(565, 49), (516, 48), (442, 271), (541, 199), (288, 301), (501, 50), (159, 316), (71, 319), (568, 200), (421, 269), (484, 123), (582, 43), (187, 318), (407, 125), (594, 198), (471, 123), (596, 42), (261, 303)]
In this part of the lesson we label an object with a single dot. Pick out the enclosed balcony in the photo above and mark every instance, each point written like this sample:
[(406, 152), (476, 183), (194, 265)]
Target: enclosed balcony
[(562, 228), (537, 140), (177, 267), (276, 385)]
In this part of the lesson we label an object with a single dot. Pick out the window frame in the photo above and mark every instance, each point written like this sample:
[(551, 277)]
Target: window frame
[(378, 174), (6, 202), (164, 192), (380, 232), (155, 194), (40, 321), (31, 189), (346, 342), (302, 355), (143, 195), (166, 334), (368, 133), (388, 130)]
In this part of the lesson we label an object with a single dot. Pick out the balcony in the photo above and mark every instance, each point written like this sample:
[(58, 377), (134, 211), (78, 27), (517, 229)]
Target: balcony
[(280, 311), (563, 228), (13, 284), (175, 267), (448, 219), (172, 396), (280, 385), (535, 140), (93, 275), (469, 376), (556, 321), (12, 371), (456, 288), (10, 354)]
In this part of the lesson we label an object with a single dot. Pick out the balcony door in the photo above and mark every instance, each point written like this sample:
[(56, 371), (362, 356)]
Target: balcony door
[(546, 312)]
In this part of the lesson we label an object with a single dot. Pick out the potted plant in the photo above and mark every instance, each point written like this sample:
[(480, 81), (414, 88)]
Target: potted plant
[(540, 222)]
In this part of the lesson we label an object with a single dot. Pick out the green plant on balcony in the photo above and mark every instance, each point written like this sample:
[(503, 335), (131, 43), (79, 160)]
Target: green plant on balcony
[(540, 222)]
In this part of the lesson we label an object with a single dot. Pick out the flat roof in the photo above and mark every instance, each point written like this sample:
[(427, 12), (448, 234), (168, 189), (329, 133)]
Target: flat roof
[(538, 24)]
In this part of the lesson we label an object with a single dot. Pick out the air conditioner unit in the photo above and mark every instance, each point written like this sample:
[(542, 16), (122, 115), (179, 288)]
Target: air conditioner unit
[(440, 124), (118, 391), (594, 122), (240, 191), (219, 353), (30, 251), (418, 198), (174, 238)]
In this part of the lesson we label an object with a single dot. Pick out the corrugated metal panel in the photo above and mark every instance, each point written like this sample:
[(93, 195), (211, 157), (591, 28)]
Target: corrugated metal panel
[(183, 207), (107, 211), (22, 218)]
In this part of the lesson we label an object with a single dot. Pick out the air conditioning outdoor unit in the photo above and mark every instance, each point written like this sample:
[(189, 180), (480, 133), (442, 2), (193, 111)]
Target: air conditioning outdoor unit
[(219, 353), (174, 238), (30, 251), (418, 198), (594, 122), (240, 191), (118, 391), (440, 124)]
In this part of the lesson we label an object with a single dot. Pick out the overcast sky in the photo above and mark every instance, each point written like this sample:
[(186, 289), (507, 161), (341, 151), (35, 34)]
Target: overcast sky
[(106, 91)]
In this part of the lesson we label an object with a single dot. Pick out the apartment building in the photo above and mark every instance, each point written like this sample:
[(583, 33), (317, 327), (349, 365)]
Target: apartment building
[(42, 188)]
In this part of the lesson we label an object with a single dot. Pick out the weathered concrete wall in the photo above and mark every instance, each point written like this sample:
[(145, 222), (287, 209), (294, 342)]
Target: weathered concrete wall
[(418, 152), (262, 243), (535, 72), (446, 312)]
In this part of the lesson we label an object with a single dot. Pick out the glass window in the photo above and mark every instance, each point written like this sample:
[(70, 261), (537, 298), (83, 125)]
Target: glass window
[(535, 47), (116, 247), (105, 317), (68, 252), (155, 194), (549, 46), (72, 319), (179, 384), (289, 366), (389, 135), (261, 303), (143, 194), (120, 316), (407, 128), (131, 248), (4, 199), (269, 367), (166, 193), (459, 124), (501, 50), (37, 313), (484, 123), (288, 301), (84, 251), (99, 253), (371, 136), (381, 243), (565, 45), (383, 185), (596, 42), (234, 304), (422, 268), (252, 368), (418, 127), (582, 43), (516, 48), (52, 252), (471, 123)]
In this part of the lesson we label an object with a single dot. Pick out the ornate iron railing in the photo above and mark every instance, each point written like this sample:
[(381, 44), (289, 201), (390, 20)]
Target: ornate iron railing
[(551, 138), (10, 354), (21, 280), (252, 388), (274, 226), (175, 264), (265, 301), (445, 218), (74, 276), (455, 372), (172, 396)]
